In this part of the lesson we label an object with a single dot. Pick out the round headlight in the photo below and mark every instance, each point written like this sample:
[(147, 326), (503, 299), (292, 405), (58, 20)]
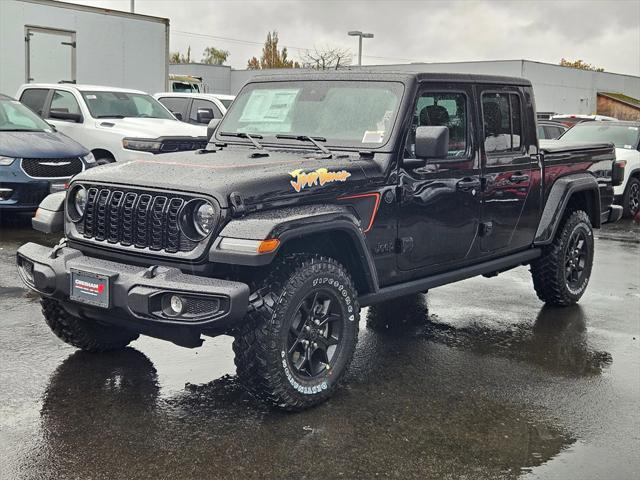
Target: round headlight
[(204, 218), (80, 200)]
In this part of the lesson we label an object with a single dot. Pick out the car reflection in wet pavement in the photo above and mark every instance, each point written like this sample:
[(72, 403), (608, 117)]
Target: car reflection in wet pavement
[(481, 382)]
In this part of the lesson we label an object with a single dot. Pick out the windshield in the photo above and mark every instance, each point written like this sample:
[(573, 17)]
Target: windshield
[(342, 113), (622, 136), (122, 104), (183, 87), (15, 117), (226, 103)]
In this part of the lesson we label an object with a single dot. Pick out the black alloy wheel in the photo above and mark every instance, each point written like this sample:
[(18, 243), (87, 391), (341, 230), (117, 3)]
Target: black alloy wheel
[(315, 333), (576, 257)]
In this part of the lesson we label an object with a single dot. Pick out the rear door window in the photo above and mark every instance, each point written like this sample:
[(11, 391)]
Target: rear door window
[(502, 120), (174, 104), (34, 98)]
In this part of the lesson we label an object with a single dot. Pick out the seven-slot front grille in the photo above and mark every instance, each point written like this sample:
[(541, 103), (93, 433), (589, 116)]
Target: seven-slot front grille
[(52, 167), (135, 218)]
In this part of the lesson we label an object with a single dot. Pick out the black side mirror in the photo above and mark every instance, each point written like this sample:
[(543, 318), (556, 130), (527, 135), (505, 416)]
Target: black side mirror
[(177, 115), (211, 128), (204, 115), (67, 116), (432, 143)]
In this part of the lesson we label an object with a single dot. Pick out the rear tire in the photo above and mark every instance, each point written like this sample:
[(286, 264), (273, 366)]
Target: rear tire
[(300, 333), (87, 335), (561, 274), (104, 161), (631, 198)]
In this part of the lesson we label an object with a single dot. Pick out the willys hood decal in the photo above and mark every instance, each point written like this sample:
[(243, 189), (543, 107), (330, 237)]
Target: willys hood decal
[(316, 177)]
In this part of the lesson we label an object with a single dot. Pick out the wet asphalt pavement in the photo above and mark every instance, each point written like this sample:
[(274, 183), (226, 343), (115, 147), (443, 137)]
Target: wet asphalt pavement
[(487, 383)]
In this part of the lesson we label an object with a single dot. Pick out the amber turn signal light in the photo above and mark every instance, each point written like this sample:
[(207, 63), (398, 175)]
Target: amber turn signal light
[(268, 246)]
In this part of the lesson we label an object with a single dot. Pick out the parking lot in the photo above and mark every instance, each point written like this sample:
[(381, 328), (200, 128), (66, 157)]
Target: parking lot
[(487, 384)]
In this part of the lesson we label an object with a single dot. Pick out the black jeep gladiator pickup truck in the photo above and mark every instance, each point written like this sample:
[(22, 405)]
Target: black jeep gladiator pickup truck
[(317, 195)]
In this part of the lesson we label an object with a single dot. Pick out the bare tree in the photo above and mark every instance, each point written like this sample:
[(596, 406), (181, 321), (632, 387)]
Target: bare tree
[(326, 58)]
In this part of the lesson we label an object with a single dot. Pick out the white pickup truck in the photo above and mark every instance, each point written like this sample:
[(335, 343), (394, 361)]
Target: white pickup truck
[(115, 124), (625, 135)]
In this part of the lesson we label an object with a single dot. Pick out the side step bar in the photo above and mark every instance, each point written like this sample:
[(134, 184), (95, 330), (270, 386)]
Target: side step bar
[(422, 284)]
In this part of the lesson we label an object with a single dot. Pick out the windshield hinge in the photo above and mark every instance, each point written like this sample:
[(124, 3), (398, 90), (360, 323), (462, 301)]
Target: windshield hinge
[(237, 204)]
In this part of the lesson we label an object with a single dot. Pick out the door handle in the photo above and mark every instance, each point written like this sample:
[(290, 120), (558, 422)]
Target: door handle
[(519, 178), (467, 184)]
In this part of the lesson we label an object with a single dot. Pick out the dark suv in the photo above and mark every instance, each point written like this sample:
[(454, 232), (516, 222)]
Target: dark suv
[(320, 194)]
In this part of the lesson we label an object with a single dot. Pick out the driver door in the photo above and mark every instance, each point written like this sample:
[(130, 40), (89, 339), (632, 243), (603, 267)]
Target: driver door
[(440, 207)]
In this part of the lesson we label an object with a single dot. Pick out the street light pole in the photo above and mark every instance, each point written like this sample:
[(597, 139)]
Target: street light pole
[(360, 35), (133, 6)]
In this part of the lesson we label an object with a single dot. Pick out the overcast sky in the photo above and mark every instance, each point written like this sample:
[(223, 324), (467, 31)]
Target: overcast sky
[(603, 33)]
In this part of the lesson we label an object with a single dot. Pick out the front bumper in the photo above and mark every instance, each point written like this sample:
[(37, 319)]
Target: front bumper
[(135, 292), (23, 196)]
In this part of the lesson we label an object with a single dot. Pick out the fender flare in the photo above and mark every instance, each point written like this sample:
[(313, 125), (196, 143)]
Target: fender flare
[(557, 201), (287, 224), (49, 217)]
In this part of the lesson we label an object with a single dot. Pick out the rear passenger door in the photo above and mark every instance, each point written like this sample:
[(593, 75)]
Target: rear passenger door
[(506, 169), (35, 99), (176, 105)]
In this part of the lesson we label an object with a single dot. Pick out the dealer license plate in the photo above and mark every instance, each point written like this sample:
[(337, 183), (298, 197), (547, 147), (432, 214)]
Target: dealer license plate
[(90, 288)]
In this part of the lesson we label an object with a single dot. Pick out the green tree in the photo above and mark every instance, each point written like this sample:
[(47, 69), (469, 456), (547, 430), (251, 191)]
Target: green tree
[(177, 57), (580, 64), (271, 56), (214, 56)]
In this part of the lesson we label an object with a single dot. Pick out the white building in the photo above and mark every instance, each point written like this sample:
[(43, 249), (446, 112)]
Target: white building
[(557, 89), (49, 42)]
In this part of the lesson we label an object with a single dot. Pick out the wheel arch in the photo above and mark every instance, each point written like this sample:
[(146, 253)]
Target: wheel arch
[(328, 230), (99, 153), (576, 191)]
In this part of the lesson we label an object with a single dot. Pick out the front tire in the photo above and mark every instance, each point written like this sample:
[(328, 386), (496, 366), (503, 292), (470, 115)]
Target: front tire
[(84, 334), (631, 198), (300, 333), (561, 274)]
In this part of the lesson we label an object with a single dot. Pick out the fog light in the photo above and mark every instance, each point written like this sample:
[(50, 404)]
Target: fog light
[(176, 304)]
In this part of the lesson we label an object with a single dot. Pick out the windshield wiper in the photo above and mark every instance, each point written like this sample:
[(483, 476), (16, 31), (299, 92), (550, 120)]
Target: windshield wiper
[(110, 116), (19, 130), (307, 138), (252, 137)]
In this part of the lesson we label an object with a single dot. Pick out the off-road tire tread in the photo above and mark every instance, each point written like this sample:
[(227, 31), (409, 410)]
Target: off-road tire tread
[(548, 270), (257, 356), (90, 337)]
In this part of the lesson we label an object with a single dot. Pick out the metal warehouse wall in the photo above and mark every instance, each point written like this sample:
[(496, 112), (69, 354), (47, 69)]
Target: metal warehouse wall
[(108, 44), (215, 77), (557, 89)]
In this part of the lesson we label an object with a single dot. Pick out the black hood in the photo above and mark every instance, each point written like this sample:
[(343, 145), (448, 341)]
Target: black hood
[(281, 176), (39, 145)]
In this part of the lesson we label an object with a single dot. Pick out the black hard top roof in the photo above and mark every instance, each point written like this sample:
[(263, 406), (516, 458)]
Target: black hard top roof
[(381, 75)]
